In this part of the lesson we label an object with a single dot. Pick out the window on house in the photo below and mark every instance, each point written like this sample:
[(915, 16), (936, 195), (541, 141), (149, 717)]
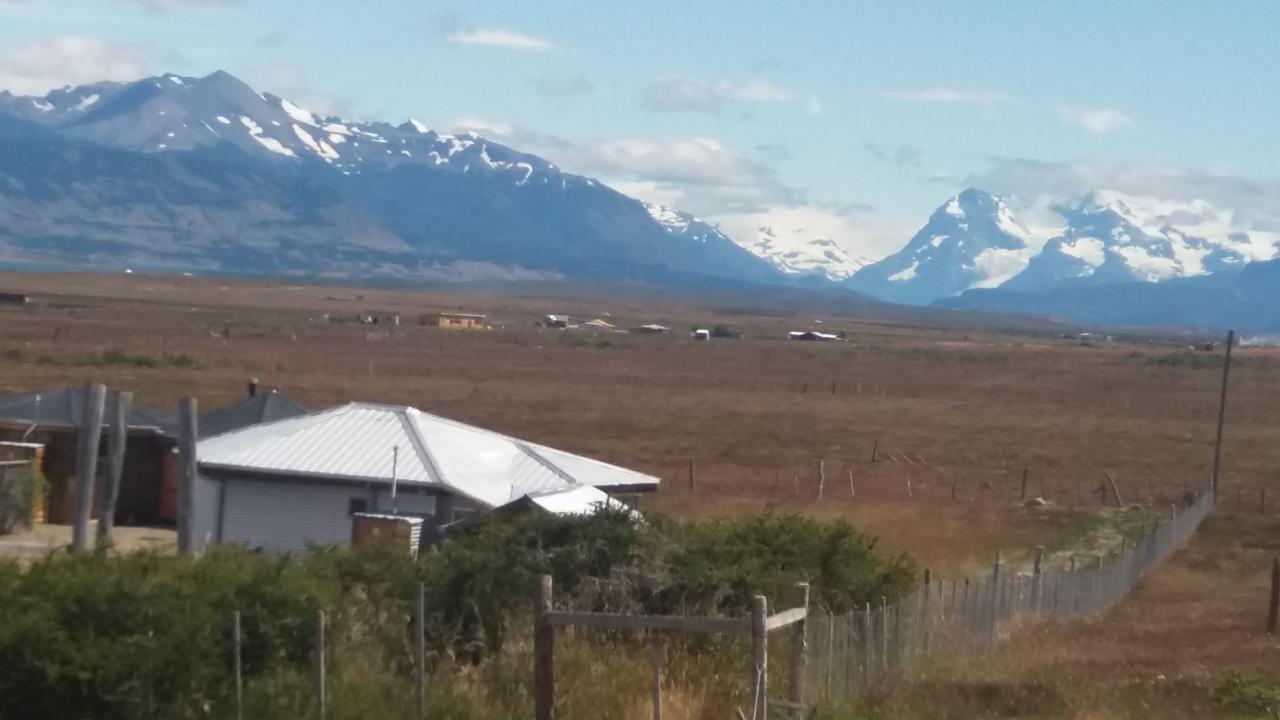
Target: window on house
[(357, 505)]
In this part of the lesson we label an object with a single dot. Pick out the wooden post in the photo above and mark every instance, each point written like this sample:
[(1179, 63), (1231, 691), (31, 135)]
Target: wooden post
[(1115, 490), (800, 651), (909, 495), (1262, 501), (90, 436), (235, 640), (884, 634), (925, 617), (320, 667), (1274, 609), (1023, 493), (875, 449), (759, 658), (995, 602), (655, 668), (1037, 579), (187, 435), (109, 491), (691, 475), (822, 478), (544, 641), (852, 492), (868, 647), (1222, 412), (420, 651)]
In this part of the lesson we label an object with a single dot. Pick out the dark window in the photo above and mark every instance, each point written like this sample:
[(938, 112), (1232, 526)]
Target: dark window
[(357, 505)]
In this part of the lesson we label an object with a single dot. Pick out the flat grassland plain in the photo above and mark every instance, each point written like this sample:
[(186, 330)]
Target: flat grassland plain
[(920, 434)]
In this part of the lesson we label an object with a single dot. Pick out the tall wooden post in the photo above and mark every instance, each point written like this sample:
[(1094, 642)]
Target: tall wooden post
[(1037, 580), (90, 437), (800, 651), (544, 664), (995, 602), (1222, 412), (420, 651), (1022, 494), (1274, 609), (239, 669), (759, 658), (822, 478), (109, 491), (187, 469), (320, 665), (655, 673)]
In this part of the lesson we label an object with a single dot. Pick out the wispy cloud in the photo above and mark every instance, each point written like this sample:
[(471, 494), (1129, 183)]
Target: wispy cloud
[(500, 38), (680, 93), (1097, 120), (947, 95), (36, 66), (481, 126)]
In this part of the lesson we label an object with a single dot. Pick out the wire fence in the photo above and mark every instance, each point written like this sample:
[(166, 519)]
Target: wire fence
[(853, 653)]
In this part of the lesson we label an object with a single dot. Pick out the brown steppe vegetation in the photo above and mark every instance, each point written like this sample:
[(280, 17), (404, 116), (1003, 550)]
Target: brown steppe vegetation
[(947, 411)]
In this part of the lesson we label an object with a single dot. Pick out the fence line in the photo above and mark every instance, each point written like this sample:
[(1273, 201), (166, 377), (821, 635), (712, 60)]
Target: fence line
[(853, 652)]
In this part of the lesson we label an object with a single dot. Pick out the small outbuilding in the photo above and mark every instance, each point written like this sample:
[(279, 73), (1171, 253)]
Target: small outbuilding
[(460, 321), (813, 336), (281, 485), (556, 321), (700, 334), (52, 418), (651, 329)]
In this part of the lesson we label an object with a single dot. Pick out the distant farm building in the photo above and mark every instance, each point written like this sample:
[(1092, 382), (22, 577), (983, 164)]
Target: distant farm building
[(8, 298), (460, 321), (52, 418), (700, 334), (813, 336), (281, 485), (598, 324), (651, 330), (556, 321)]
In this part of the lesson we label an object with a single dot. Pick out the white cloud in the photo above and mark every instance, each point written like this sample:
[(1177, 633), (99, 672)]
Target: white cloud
[(947, 95), (1097, 120), (480, 126), (679, 93), (36, 66), (500, 38)]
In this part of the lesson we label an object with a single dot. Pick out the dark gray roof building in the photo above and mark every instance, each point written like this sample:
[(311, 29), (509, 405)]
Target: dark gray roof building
[(259, 408)]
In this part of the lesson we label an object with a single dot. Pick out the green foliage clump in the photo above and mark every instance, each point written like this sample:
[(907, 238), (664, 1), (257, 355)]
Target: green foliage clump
[(150, 636), (19, 489), (1249, 695)]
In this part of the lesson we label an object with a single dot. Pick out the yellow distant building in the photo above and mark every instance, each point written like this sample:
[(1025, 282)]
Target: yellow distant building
[(460, 321)]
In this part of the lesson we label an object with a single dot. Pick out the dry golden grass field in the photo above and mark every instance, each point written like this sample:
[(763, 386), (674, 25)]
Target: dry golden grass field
[(954, 418)]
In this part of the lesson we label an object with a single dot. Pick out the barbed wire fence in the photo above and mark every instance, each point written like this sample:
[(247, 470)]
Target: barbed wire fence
[(853, 653)]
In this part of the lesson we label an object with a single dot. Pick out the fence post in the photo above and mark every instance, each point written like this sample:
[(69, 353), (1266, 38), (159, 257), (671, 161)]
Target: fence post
[(691, 475), (420, 650), (884, 634), (239, 668), (800, 650), (544, 641), (1274, 608), (187, 434), (995, 602), (759, 658), (90, 437), (1037, 580), (1222, 412), (822, 478), (925, 618), (109, 490), (868, 646), (320, 667), (655, 670), (1071, 595)]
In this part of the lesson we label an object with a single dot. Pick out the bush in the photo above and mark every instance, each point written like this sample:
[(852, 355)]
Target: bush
[(149, 636), (1248, 695), (18, 492)]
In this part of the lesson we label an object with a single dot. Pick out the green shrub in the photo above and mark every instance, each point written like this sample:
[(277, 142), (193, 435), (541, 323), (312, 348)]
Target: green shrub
[(18, 492), (1249, 695)]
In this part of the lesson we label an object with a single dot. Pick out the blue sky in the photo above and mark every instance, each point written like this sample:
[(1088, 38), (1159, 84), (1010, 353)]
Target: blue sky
[(849, 118)]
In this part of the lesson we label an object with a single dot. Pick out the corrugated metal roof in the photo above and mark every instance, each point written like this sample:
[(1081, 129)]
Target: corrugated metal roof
[(263, 407), (357, 442), (64, 407)]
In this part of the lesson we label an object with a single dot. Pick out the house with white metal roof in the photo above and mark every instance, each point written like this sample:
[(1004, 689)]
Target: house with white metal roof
[(283, 484)]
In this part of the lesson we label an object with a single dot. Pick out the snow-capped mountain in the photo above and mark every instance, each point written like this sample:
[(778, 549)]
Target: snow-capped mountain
[(215, 175), (794, 253), (971, 241), (1107, 241)]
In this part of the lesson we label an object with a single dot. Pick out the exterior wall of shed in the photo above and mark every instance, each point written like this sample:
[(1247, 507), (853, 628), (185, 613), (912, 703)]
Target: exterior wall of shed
[(140, 486), (285, 515), (455, 322)]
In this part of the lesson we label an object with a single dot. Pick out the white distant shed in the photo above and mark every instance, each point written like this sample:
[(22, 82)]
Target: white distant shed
[(284, 484)]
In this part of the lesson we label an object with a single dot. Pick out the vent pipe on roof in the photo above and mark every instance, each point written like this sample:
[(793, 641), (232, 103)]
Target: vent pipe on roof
[(253, 387)]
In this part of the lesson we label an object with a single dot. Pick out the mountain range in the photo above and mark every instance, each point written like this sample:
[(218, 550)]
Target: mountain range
[(205, 174)]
